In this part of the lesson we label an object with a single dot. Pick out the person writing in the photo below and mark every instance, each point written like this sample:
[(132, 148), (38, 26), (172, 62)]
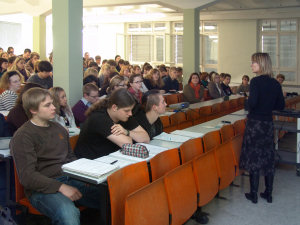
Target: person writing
[(39, 148), (108, 126), (257, 156)]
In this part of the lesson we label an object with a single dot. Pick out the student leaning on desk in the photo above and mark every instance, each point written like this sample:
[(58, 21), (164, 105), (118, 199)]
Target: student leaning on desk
[(108, 126), (39, 148)]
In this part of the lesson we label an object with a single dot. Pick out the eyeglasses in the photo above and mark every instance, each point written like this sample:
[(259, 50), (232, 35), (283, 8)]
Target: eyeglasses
[(138, 82)]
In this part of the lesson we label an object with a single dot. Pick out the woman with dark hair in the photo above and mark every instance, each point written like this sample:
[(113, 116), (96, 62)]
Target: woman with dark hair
[(153, 105), (244, 87), (108, 126), (17, 116), (11, 83), (104, 88), (3, 66), (135, 85), (225, 85), (204, 79), (64, 115), (154, 81), (193, 91), (258, 156)]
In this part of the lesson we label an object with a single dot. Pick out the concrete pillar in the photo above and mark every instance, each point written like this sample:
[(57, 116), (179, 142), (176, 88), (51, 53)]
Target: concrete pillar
[(39, 35), (191, 54), (67, 47)]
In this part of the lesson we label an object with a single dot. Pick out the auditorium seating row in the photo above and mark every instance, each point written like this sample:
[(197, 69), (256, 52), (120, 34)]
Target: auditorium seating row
[(178, 181), (191, 117)]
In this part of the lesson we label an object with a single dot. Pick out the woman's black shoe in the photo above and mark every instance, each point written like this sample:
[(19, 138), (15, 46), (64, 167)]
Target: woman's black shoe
[(252, 197), (266, 196)]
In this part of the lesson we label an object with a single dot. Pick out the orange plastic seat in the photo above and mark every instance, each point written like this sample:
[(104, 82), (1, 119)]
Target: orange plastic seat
[(148, 205), (211, 140), (205, 112), (225, 107), (190, 149), (73, 140), (206, 177), (124, 182), (171, 99), (241, 102), (193, 115), (239, 127), (233, 103), (180, 97), (164, 162), (21, 198), (181, 192), (236, 147), (165, 121), (215, 111), (225, 164), (227, 132), (180, 121)]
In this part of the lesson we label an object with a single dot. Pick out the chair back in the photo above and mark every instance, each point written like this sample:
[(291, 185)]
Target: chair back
[(239, 127), (164, 162), (227, 132), (148, 205), (190, 149), (123, 182), (211, 140)]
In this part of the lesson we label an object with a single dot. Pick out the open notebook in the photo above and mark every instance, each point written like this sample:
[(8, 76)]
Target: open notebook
[(91, 169), (171, 137)]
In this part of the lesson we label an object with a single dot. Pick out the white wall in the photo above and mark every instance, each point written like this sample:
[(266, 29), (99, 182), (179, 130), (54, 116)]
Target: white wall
[(237, 42)]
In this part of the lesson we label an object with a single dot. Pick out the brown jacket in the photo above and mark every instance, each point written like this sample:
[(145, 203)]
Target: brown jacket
[(213, 90), (189, 94)]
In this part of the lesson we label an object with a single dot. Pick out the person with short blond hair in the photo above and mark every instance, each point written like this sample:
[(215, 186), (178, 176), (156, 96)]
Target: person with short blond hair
[(39, 148)]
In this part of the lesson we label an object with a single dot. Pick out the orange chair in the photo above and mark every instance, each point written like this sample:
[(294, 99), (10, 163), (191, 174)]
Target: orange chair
[(194, 116), (215, 111), (233, 103), (205, 112), (180, 97), (239, 127), (21, 198), (206, 95), (225, 108), (206, 177), (164, 162), (181, 192), (225, 164), (236, 147), (123, 182), (179, 120), (165, 121), (148, 205), (73, 140), (227, 132), (180, 86), (211, 140), (241, 102), (171, 99), (190, 149)]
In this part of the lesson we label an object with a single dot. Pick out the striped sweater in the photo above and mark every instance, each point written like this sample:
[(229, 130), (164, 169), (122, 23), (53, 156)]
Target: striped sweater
[(7, 100)]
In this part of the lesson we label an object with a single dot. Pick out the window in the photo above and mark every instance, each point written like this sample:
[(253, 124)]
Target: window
[(279, 39), (208, 46), (177, 43)]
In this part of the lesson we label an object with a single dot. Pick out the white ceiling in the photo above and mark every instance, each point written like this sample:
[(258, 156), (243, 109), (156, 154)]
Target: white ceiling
[(38, 7)]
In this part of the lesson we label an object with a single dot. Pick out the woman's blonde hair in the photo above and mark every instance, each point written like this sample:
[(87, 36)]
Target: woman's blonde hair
[(115, 81), (15, 67), (160, 83), (123, 68), (264, 62), (4, 83), (55, 91), (103, 68), (90, 71)]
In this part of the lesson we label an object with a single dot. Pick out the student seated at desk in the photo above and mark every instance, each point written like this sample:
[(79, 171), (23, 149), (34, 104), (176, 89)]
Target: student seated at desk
[(171, 82), (214, 87), (90, 96), (64, 115), (39, 148), (225, 85), (153, 104), (108, 126), (17, 116), (193, 91)]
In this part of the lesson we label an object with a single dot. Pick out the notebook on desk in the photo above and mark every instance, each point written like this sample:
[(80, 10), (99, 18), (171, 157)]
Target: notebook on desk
[(91, 169), (171, 137)]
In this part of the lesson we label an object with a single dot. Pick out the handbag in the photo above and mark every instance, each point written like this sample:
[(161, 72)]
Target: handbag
[(5, 217), (135, 150)]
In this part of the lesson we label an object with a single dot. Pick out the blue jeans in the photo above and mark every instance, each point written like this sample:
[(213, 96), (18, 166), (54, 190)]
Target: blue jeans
[(60, 209)]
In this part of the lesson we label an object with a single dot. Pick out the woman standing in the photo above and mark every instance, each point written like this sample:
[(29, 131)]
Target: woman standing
[(11, 83), (64, 115), (257, 155), (193, 91)]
